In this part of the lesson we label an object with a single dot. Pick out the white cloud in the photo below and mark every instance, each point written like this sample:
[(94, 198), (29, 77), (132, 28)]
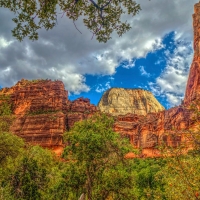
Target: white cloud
[(173, 79), (100, 88), (173, 99), (4, 43), (74, 55), (143, 71)]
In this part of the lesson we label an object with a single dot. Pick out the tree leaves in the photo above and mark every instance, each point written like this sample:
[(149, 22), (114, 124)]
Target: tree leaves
[(97, 153), (102, 18), (10, 146)]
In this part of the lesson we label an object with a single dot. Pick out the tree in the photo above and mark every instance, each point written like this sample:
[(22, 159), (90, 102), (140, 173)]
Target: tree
[(28, 180), (182, 171), (33, 174), (10, 146), (182, 177), (101, 17), (148, 183), (97, 167)]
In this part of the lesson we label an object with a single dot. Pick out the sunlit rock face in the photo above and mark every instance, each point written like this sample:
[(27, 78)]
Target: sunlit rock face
[(120, 101), (147, 132), (192, 92), (43, 111)]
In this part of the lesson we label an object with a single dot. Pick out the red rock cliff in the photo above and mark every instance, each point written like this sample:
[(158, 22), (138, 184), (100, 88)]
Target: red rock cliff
[(193, 85), (43, 112)]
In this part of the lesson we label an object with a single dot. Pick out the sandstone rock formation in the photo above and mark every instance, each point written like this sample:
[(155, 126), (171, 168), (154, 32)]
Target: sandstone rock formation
[(77, 110), (192, 92), (148, 132), (120, 101), (43, 112)]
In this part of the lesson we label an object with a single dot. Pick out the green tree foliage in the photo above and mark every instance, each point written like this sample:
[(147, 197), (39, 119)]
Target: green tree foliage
[(97, 167), (182, 177), (101, 17), (5, 105), (181, 174), (32, 175), (28, 180), (10, 146), (93, 164), (148, 183), (5, 123), (6, 118), (5, 109)]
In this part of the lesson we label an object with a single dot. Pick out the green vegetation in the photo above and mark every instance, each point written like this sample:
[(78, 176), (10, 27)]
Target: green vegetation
[(96, 158), (6, 117), (35, 173), (101, 17), (182, 177), (25, 82), (93, 165), (5, 105), (10, 146), (5, 123)]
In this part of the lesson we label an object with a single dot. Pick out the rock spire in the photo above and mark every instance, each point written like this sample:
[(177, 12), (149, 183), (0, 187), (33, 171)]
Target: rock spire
[(192, 92)]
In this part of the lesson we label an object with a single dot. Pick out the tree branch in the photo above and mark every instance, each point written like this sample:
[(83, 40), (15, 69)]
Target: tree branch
[(105, 5), (76, 27), (95, 5)]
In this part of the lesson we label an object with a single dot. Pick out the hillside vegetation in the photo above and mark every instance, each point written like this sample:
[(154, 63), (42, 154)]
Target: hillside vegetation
[(93, 165)]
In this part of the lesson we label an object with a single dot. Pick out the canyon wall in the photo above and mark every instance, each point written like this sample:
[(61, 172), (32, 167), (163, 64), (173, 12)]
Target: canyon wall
[(192, 93), (43, 111), (146, 133)]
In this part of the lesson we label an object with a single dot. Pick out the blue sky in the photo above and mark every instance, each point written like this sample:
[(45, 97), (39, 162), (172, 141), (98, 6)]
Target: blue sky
[(138, 73), (155, 54)]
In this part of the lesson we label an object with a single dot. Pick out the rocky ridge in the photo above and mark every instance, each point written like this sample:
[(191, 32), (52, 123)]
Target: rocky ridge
[(120, 101)]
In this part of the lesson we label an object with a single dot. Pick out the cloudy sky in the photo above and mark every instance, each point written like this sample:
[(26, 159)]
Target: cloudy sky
[(155, 54)]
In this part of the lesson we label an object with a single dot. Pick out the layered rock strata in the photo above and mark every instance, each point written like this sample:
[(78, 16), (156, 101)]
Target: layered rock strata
[(146, 133), (77, 110), (120, 101), (43, 112), (192, 92)]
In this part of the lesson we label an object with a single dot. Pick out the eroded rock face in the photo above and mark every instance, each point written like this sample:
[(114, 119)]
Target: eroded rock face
[(120, 101), (148, 132), (193, 85), (42, 129), (77, 110), (42, 96), (43, 112)]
